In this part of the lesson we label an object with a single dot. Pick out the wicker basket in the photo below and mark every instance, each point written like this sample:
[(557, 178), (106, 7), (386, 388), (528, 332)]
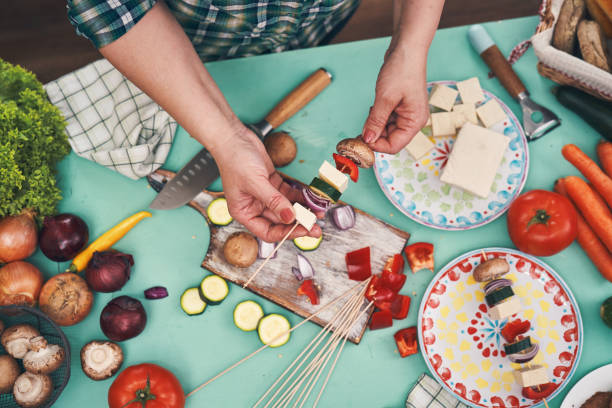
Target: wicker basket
[(547, 21), (12, 315)]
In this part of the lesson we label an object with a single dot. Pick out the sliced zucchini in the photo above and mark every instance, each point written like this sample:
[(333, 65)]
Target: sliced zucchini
[(518, 346), (308, 243), (192, 303), (218, 213), (213, 289), (499, 296), (247, 315), (273, 326), (322, 189)]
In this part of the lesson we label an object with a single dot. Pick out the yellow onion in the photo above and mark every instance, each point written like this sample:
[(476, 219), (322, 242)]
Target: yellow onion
[(20, 284), (18, 237)]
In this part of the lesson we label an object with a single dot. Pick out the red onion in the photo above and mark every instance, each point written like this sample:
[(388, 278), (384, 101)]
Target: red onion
[(123, 318), (297, 273), (305, 268), (63, 236), (108, 271), (343, 217), (525, 356), (265, 249), (496, 284), (156, 292), (314, 202), (18, 238)]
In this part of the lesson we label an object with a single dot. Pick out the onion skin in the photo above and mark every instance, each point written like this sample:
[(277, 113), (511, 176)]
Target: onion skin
[(18, 237), (108, 271), (66, 299), (63, 236), (20, 284), (123, 318)]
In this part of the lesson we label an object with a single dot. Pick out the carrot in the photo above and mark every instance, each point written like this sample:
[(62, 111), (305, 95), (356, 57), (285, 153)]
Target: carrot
[(590, 170), (598, 216), (604, 152), (597, 196), (592, 246)]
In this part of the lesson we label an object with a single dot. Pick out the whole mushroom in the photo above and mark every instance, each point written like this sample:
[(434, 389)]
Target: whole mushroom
[(356, 150), (43, 358), (281, 148), (9, 371), (16, 339), (101, 359), (32, 390)]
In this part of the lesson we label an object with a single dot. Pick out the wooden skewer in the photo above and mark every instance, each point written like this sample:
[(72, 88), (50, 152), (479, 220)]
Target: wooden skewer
[(271, 255), (484, 255)]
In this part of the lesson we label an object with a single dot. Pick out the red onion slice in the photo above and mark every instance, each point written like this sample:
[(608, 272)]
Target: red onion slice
[(496, 285), (265, 249), (343, 217), (314, 202), (156, 292), (525, 356), (297, 274), (305, 268)]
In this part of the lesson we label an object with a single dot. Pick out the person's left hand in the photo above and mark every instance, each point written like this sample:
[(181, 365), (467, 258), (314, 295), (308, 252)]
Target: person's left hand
[(400, 108)]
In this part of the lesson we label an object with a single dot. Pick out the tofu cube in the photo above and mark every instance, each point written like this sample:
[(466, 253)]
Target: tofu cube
[(505, 309), (490, 113), (428, 123), (531, 376), (443, 97), (333, 176), (470, 91), (474, 160), (419, 146), (465, 112), (304, 216), (442, 124)]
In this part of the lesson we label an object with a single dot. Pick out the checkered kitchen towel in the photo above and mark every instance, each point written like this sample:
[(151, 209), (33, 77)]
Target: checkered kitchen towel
[(427, 393), (111, 121)]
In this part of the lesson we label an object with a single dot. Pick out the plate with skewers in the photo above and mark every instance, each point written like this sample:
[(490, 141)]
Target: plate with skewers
[(464, 348)]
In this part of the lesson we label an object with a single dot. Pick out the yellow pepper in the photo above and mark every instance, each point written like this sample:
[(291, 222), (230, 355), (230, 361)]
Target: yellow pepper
[(106, 240)]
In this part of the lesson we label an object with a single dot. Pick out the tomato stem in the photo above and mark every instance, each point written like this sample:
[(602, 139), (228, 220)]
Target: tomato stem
[(142, 396), (540, 217)]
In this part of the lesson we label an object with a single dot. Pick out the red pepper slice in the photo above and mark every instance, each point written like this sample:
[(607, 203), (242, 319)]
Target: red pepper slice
[(406, 341), (381, 319), (308, 288), (420, 256), (358, 264), (383, 295), (400, 307), (395, 264), (515, 328), (373, 287), (537, 394), (392, 280), (346, 165)]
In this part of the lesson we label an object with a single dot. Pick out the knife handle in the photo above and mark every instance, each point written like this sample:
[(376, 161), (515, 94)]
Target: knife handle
[(484, 45), (299, 97)]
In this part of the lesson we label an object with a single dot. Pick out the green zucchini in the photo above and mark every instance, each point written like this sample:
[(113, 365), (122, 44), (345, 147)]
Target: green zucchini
[(518, 346), (247, 315), (322, 189), (499, 296), (271, 329), (606, 312), (308, 243), (596, 112), (192, 303), (213, 289), (218, 213)]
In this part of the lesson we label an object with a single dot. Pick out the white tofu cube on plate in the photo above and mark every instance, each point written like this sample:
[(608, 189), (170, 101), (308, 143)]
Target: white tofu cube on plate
[(333, 176), (442, 124), (470, 91), (443, 97), (531, 376), (464, 112), (419, 146), (490, 113)]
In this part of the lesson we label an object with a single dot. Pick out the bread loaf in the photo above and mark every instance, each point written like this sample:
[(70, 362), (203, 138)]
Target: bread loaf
[(593, 44), (572, 12)]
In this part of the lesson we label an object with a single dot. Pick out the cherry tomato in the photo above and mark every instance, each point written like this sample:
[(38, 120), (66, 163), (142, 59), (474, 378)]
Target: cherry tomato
[(542, 223)]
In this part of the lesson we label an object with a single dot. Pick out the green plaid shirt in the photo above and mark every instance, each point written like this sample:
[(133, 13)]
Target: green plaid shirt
[(219, 29)]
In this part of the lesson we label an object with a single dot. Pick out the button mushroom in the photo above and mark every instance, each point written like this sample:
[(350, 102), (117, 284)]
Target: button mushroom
[(32, 390), (43, 358), (101, 359), (9, 371), (16, 339), (356, 150), (281, 148), (491, 269)]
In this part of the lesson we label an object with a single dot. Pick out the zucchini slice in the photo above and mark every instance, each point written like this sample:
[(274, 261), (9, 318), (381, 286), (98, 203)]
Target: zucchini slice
[(247, 315), (192, 303), (308, 243), (518, 346), (322, 189), (271, 327), (499, 296), (213, 289), (218, 213)]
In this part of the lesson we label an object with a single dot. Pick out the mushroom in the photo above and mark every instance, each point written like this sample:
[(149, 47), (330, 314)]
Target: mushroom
[(240, 249), (101, 359), (16, 339), (32, 390), (43, 358), (9, 371), (281, 148), (356, 150), (491, 269)]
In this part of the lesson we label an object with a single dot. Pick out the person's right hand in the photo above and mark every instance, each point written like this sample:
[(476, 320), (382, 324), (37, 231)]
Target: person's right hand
[(257, 196)]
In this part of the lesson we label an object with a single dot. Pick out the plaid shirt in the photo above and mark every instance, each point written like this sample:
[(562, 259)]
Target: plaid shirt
[(219, 29)]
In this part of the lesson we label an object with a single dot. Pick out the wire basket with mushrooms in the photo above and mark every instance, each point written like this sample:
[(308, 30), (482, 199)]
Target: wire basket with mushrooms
[(34, 358)]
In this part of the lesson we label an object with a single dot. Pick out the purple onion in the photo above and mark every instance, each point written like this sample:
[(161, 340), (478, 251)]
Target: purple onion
[(123, 318), (343, 217), (108, 271), (265, 249), (156, 292), (314, 202), (63, 236), (496, 285), (305, 267), (525, 356), (297, 273)]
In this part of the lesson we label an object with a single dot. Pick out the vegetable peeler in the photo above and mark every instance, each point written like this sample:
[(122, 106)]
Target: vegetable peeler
[(537, 120)]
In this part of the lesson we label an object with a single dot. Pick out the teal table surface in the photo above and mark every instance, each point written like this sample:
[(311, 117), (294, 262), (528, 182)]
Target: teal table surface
[(169, 247)]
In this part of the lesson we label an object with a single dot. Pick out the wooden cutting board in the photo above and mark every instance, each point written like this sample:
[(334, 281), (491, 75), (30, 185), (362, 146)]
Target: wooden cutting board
[(277, 283)]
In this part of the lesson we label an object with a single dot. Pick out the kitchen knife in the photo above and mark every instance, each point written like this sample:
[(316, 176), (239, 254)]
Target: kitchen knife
[(202, 170)]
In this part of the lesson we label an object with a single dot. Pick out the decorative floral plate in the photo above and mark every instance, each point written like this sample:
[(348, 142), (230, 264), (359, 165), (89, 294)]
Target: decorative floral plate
[(463, 347), (414, 187)]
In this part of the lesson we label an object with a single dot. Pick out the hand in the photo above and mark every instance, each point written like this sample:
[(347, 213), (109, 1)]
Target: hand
[(256, 195), (400, 108)]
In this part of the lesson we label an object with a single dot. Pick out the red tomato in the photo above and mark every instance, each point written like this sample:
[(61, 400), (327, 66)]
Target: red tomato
[(146, 386), (542, 223)]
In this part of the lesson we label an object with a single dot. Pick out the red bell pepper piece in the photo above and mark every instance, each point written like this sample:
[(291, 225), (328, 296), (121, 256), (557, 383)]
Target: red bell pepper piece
[(392, 280), (346, 165), (420, 256), (400, 307), (381, 319), (384, 295), (358, 264), (406, 341), (308, 288), (373, 286), (395, 264), (539, 392), (515, 328)]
